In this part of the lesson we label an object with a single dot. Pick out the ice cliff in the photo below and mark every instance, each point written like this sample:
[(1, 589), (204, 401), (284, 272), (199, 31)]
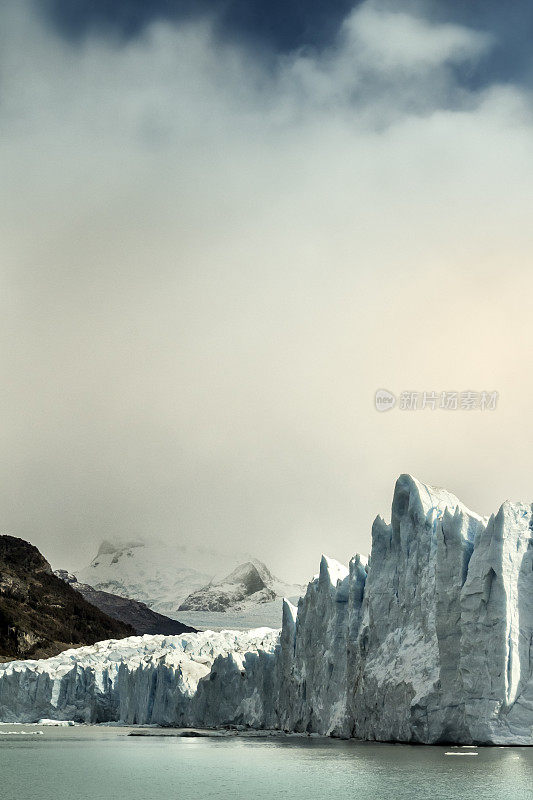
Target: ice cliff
[(138, 680), (431, 641)]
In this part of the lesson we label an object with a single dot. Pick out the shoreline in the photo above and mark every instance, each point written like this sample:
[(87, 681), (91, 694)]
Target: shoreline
[(161, 732)]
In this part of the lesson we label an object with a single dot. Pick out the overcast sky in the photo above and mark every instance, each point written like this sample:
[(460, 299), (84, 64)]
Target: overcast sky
[(223, 228)]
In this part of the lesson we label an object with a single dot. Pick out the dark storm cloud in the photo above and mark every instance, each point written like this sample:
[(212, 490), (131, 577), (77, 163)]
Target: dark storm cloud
[(511, 25), (286, 25), (282, 24)]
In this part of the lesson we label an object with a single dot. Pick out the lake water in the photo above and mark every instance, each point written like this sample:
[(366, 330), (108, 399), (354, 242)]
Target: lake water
[(98, 763)]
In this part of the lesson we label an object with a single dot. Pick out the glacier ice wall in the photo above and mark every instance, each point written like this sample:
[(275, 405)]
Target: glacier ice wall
[(138, 680), (409, 639), (430, 641)]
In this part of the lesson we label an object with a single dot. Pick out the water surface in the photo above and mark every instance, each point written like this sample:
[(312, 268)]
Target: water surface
[(98, 763)]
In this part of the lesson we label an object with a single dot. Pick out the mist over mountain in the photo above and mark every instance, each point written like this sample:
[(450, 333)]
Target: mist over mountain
[(141, 618), (203, 587)]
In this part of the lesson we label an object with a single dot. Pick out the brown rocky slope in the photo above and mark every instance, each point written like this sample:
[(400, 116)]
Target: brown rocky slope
[(41, 615)]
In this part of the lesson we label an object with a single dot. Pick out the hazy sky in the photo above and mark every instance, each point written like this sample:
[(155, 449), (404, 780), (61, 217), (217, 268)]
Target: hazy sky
[(222, 230)]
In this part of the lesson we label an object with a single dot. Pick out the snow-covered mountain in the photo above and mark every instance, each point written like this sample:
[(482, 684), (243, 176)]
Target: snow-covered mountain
[(201, 583), (141, 618), (249, 584), (158, 574)]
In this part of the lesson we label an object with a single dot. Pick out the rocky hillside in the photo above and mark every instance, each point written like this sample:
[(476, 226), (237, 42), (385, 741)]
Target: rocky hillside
[(41, 615), (141, 618)]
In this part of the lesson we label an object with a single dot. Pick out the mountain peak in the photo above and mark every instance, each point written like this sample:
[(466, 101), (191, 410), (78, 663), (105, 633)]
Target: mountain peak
[(250, 582), (18, 552), (163, 575)]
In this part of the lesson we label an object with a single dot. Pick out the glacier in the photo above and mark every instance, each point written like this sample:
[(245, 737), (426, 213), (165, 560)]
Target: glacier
[(429, 641), (140, 680)]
